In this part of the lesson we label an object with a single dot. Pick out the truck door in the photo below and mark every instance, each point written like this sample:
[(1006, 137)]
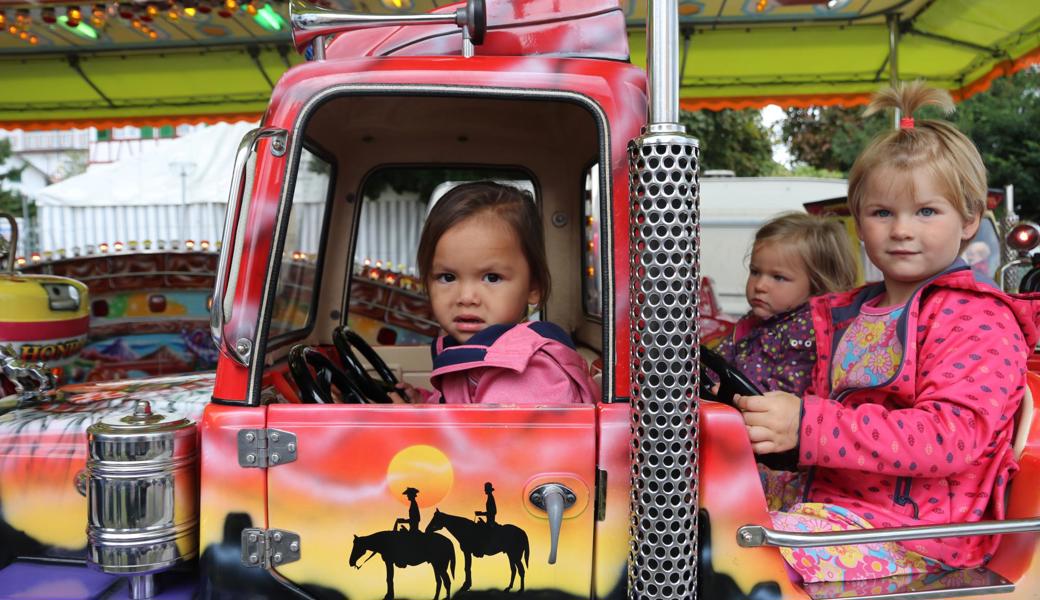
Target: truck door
[(409, 500)]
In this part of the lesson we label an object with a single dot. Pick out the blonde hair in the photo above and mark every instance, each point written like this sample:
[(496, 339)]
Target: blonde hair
[(821, 243), (948, 155)]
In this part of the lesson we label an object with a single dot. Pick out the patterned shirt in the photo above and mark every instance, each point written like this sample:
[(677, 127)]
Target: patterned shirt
[(869, 352)]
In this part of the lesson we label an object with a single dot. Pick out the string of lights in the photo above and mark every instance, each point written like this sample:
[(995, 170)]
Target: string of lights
[(147, 18)]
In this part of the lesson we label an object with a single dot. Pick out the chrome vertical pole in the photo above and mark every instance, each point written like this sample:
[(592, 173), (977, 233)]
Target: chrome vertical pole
[(663, 293)]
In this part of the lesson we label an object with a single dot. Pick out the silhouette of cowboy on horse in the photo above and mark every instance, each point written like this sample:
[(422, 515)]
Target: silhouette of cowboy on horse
[(490, 510), (412, 521)]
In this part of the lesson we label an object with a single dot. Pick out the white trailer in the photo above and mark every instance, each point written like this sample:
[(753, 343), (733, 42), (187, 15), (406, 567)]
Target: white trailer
[(732, 210)]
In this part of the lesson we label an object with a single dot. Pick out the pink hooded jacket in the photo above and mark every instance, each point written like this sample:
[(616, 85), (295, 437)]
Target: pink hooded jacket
[(529, 363), (933, 444)]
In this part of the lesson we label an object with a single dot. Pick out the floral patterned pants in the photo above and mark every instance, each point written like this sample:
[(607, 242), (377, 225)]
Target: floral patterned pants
[(833, 563)]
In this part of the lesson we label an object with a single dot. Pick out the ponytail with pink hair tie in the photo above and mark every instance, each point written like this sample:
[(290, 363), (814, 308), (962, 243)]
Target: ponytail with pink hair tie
[(906, 123)]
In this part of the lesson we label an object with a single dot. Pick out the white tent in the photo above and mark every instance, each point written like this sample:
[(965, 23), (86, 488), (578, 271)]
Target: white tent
[(176, 192)]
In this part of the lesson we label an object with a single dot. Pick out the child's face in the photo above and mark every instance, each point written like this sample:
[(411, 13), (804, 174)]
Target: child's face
[(910, 230), (778, 280), (479, 277)]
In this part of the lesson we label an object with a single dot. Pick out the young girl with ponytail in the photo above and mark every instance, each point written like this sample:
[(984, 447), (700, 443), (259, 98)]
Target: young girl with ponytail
[(909, 416)]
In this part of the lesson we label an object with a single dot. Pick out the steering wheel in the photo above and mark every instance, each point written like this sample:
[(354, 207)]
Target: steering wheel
[(1030, 281), (315, 387), (730, 380), (343, 338)]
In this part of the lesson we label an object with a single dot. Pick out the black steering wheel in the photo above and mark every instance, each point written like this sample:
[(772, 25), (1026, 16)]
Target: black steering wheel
[(1030, 281), (344, 339), (315, 387), (731, 381)]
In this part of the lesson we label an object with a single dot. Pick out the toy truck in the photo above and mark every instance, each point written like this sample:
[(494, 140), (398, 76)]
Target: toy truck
[(253, 482)]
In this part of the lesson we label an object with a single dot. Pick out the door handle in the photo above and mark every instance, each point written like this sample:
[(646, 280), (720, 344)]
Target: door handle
[(553, 498)]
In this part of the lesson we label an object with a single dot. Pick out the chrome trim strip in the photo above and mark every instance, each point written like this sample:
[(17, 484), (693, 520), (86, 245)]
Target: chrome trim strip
[(234, 204), (754, 536), (227, 250)]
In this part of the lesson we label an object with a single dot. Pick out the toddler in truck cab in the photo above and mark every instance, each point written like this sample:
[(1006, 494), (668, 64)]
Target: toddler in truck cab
[(482, 259)]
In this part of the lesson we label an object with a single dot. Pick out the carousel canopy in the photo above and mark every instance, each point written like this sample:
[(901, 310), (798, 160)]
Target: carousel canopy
[(74, 65)]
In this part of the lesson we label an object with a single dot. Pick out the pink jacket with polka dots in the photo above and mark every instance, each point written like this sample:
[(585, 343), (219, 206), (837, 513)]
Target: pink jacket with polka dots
[(933, 444)]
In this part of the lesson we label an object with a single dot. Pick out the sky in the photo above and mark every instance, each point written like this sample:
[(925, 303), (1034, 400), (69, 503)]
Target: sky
[(772, 116)]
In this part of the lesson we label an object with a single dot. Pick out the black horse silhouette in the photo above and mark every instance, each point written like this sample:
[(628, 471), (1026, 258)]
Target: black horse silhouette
[(481, 539), (407, 549)]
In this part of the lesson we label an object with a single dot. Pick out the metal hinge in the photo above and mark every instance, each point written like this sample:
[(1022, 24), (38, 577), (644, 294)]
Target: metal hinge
[(601, 494), (265, 447), (268, 548)]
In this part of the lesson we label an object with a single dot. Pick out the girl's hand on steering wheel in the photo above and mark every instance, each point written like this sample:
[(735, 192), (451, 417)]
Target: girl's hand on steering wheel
[(405, 393), (772, 420)]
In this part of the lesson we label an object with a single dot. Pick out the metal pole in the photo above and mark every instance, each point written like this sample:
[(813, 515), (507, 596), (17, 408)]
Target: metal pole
[(183, 169), (184, 204), (893, 57), (662, 66), (664, 194), (28, 229)]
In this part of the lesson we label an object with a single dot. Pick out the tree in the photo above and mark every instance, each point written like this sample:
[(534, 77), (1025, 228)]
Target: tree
[(732, 139), (1001, 121), (829, 137), (10, 199)]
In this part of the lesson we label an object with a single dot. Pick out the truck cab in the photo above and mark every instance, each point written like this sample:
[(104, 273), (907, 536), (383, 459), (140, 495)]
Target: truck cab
[(648, 492)]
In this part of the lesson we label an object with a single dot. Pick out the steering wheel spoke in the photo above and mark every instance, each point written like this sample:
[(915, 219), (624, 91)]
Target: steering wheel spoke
[(315, 374), (346, 341), (731, 381)]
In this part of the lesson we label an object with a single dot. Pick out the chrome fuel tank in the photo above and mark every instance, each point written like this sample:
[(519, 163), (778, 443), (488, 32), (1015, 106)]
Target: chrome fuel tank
[(142, 491)]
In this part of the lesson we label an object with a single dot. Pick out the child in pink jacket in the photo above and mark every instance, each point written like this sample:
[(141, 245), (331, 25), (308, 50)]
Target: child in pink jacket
[(482, 259), (909, 417)]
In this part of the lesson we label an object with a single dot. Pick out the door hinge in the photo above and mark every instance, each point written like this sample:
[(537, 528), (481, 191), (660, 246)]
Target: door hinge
[(268, 548), (265, 447), (601, 494)]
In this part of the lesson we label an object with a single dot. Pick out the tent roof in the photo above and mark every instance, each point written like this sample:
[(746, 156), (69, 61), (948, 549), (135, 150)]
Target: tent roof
[(153, 178), (208, 68)]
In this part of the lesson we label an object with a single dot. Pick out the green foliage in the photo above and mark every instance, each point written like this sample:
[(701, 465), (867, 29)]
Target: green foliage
[(1001, 121), (10, 200), (829, 138), (732, 139)]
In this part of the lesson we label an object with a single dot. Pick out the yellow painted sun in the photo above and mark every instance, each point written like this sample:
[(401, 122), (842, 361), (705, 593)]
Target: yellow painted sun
[(424, 468)]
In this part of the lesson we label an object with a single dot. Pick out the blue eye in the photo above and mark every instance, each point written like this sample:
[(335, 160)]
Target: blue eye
[(927, 211), (882, 212)]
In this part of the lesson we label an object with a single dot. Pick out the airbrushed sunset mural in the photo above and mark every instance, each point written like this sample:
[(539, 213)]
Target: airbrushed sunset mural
[(458, 475)]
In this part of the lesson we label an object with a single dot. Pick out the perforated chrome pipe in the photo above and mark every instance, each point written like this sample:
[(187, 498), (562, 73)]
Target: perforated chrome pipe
[(664, 194)]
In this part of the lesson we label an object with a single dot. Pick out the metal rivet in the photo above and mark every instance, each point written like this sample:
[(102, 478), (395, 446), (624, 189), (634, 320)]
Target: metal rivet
[(746, 536), (250, 436), (295, 546), (252, 537), (250, 458), (274, 436), (277, 536), (291, 447), (559, 219), (274, 457), (277, 557), (254, 558)]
